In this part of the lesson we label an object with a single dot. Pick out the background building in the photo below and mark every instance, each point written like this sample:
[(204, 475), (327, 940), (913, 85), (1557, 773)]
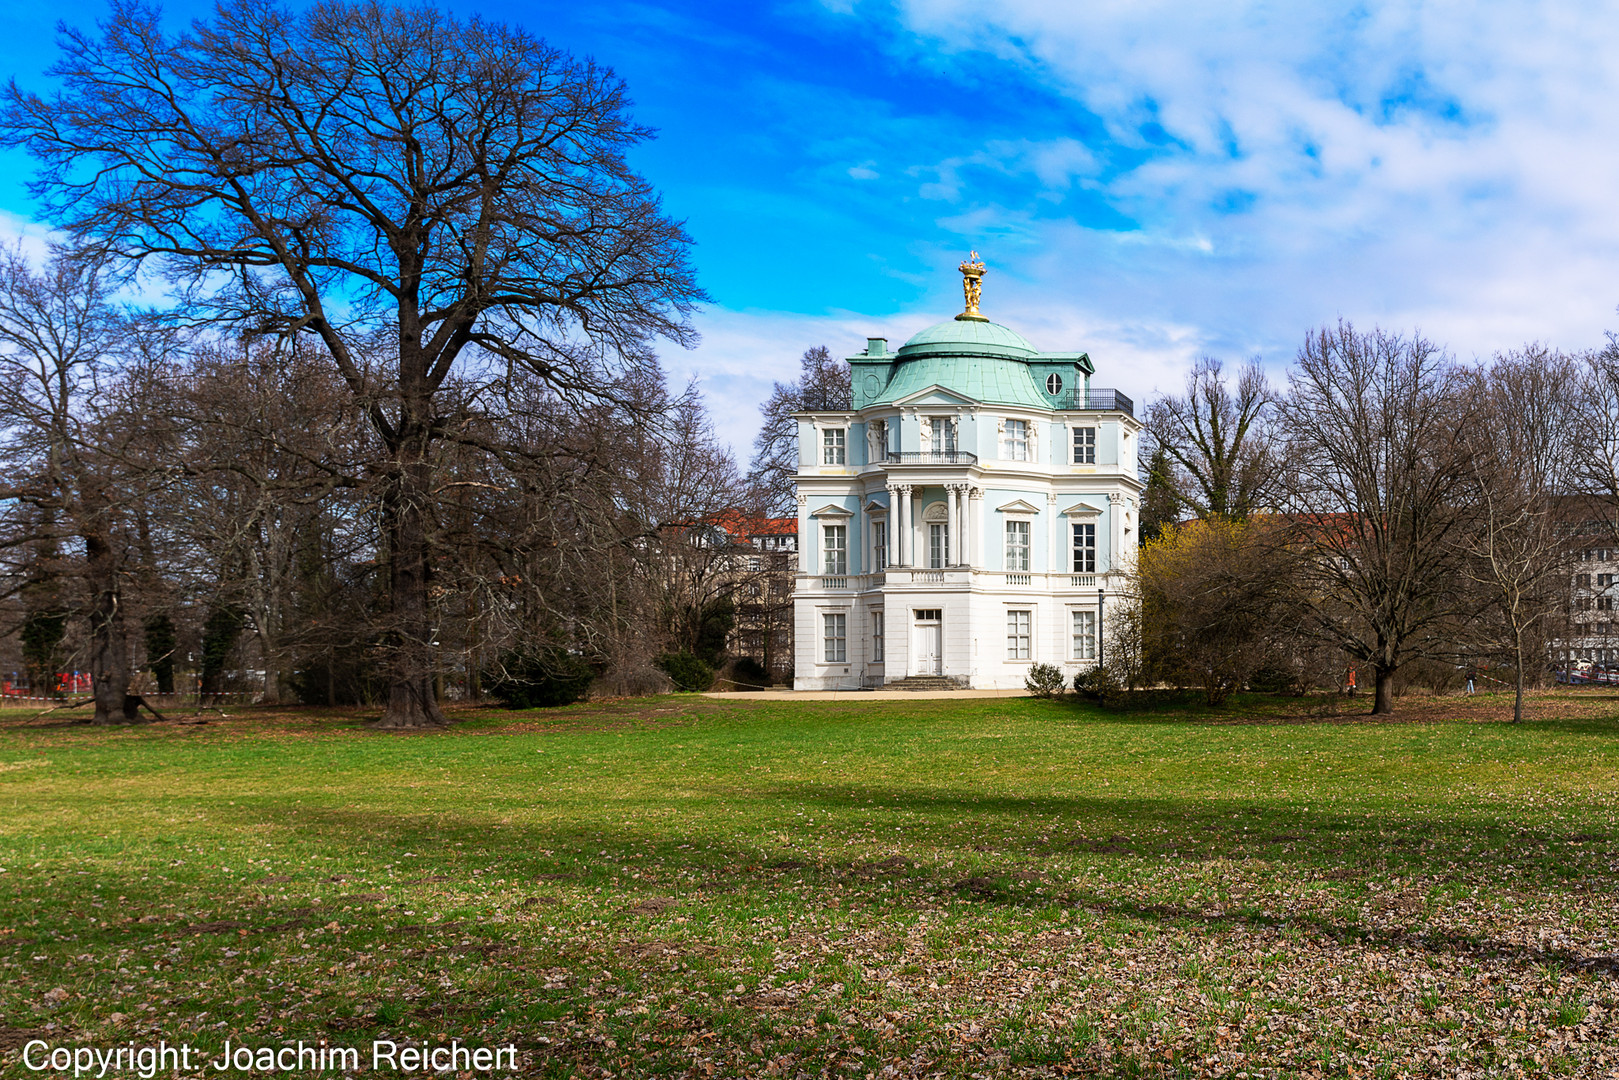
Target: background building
[(966, 517)]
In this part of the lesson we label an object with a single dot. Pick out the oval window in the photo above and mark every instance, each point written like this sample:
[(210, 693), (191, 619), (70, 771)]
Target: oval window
[(1053, 385)]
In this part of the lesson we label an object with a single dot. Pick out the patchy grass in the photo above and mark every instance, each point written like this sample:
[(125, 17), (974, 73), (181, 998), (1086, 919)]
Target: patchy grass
[(689, 886)]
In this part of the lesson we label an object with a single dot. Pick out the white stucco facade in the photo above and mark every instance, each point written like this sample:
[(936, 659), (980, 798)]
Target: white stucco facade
[(965, 518)]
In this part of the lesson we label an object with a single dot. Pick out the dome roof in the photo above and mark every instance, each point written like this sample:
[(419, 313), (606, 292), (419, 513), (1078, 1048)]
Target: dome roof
[(968, 337)]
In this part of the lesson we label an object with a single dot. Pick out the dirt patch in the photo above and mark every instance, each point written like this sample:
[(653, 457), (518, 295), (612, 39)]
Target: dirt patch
[(653, 905), (16, 1038), (220, 926), (1113, 845), (982, 887)]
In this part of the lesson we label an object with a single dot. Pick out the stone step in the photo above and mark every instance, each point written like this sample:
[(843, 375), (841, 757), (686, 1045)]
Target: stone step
[(922, 682)]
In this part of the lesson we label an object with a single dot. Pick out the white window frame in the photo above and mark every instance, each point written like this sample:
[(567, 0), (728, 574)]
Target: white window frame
[(1017, 440), (1083, 554), (1019, 551), (835, 637), (1082, 635), (1084, 443), (834, 446), (835, 549), (942, 434), (1019, 633), (876, 635), (879, 544)]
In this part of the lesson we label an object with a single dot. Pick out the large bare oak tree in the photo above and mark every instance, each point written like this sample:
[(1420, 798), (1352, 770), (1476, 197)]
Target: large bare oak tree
[(423, 195)]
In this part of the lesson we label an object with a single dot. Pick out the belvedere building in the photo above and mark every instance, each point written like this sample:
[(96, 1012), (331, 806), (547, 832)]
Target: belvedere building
[(967, 518)]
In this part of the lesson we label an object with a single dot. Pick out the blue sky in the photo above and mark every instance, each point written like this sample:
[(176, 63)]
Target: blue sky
[(1147, 181)]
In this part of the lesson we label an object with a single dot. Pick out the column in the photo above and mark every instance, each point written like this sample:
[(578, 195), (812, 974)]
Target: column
[(904, 524), (1115, 532), (893, 525), (952, 525), (1054, 561), (974, 537)]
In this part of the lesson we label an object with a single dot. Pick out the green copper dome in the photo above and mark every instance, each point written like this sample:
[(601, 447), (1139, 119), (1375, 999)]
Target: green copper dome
[(967, 337)]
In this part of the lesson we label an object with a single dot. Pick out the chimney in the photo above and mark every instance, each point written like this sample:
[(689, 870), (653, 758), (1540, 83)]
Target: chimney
[(876, 346)]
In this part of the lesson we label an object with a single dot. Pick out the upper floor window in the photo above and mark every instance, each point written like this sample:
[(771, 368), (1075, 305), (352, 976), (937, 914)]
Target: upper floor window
[(879, 439), (1582, 581), (1084, 446), (837, 549), (1084, 548), (942, 435), (1604, 580), (879, 545), (1015, 442), (938, 545), (1017, 546), (1053, 384), (834, 446)]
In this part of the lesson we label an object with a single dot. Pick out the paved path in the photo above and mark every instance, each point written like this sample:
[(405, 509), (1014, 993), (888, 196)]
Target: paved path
[(858, 695)]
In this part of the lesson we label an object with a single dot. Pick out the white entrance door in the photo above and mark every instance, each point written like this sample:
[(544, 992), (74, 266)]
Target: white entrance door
[(928, 659)]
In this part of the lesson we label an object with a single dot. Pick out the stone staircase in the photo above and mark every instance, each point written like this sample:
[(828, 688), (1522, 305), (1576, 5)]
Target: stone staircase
[(922, 682)]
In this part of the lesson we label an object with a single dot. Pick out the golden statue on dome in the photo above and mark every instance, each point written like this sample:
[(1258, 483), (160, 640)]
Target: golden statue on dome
[(972, 284)]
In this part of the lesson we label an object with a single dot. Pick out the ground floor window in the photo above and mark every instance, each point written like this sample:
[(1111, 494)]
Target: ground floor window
[(1019, 626), (835, 630), (1084, 635), (877, 637)]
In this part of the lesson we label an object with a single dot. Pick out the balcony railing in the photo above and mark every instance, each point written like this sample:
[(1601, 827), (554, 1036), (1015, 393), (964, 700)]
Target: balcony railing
[(1098, 400), (930, 457)]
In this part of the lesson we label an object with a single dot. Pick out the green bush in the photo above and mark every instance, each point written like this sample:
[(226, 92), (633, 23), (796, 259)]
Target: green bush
[(687, 671), (1099, 684), (1045, 681), (749, 672), (539, 681)]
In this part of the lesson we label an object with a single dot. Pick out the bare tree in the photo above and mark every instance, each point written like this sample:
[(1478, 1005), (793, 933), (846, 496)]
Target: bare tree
[(1220, 439), (1375, 424), (362, 173), (1520, 446), (823, 384), (60, 338), (1218, 601)]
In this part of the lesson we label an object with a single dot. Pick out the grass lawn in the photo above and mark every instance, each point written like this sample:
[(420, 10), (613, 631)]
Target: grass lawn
[(685, 886)]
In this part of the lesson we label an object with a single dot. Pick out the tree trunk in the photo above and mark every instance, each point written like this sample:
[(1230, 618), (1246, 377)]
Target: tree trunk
[(1383, 702), (1517, 701), (109, 646), (411, 701)]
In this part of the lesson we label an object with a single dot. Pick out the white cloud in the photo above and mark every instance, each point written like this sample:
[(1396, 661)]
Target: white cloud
[(1449, 166)]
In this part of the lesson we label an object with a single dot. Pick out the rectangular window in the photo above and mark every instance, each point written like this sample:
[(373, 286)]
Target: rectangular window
[(1017, 546), (834, 446), (1604, 580), (877, 635), (1015, 443), (1084, 549), (879, 545), (1604, 603), (1084, 635), (879, 437), (1582, 581), (1084, 446), (835, 634), (938, 544), (1018, 634), (942, 435), (836, 557)]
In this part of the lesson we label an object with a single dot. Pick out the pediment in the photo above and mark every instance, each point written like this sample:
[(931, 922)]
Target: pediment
[(935, 395), (875, 507), (936, 511), (1018, 506), (832, 511), (1082, 510)]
